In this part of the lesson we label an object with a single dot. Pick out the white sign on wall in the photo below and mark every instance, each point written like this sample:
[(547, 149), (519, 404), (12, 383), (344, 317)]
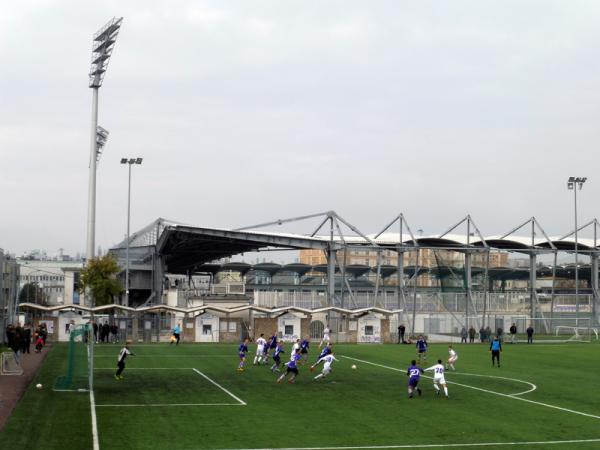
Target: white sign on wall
[(369, 329), (288, 327)]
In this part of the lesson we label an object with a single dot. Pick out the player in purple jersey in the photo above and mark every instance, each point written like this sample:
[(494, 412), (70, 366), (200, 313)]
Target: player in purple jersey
[(277, 357), (292, 367), (414, 373), (243, 349), (304, 345), (271, 345), (421, 348)]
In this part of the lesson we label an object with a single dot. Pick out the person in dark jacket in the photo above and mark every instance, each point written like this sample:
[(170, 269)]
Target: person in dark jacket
[(401, 331), (513, 333), (15, 343), (529, 334), (471, 335), (105, 332), (26, 341)]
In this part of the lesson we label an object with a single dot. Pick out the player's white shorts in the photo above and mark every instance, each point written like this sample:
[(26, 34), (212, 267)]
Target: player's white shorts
[(326, 369), (260, 349), (326, 338), (439, 379), (452, 359)]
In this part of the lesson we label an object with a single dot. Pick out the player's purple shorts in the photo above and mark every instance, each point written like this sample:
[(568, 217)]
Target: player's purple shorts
[(413, 382), (242, 355)]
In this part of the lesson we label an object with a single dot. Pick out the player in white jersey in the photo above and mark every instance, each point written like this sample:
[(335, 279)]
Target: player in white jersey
[(326, 339), (260, 349), (328, 361), (438, 377), (453, 356), (296, 347)]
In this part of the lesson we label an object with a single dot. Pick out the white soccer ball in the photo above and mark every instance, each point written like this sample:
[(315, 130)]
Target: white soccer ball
[(353, 366), (39, 386)]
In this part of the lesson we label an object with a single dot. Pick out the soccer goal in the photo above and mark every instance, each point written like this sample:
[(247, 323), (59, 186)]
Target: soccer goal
[(571, 333), (76, 377), (10, 365)]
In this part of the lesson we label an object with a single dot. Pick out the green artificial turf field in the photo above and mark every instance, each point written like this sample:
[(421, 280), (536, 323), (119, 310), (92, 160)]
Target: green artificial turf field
[(191, 397)]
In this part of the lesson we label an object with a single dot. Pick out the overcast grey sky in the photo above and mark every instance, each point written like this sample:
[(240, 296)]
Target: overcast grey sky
[(247, 111)]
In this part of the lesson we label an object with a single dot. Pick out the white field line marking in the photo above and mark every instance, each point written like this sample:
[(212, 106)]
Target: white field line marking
[(488, 391), (242, 402), (171, 356), (70, 390), (146, 368), (478, 444), (167, 404), (533, 386), (95, 438)]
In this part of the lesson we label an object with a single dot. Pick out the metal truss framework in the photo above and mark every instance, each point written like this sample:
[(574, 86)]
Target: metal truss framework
[(185, 249)]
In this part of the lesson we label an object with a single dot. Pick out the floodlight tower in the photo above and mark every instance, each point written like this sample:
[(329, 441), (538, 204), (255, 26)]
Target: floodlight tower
[(575, 184), (130, 162), (101, 139), (102, 48)]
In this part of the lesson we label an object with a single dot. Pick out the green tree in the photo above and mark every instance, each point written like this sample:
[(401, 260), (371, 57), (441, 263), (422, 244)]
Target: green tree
[(32, 293), (99, 277)]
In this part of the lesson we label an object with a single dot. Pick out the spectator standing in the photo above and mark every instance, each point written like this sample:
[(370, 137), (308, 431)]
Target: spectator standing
[(15, 344), (114, 330), (471, 334), (105, 332), (95, 327), (43, 332), (26, 342), (463, 335), (488, 333), (401, 331), (481, 334), (513, 333), (529, 334)]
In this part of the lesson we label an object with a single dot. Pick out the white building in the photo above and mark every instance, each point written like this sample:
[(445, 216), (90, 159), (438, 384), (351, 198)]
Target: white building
[(58, 280)]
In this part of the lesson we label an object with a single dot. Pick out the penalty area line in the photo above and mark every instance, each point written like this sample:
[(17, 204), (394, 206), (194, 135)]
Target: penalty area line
[(242, 402), (474, 444), (547, 405)]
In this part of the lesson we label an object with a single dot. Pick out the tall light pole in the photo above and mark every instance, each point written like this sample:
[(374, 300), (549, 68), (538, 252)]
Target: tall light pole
[(130, 162), (102, 47), (575, 184)]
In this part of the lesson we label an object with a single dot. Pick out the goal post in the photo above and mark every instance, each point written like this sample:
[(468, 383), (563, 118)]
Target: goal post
[(77, 370), (563, 329)]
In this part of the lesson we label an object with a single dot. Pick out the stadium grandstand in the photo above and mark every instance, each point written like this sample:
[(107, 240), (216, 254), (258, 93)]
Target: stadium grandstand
[(434, 284)]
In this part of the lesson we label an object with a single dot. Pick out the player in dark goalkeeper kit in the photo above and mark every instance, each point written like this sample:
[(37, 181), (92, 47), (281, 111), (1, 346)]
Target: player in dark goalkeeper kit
[(121, 360)]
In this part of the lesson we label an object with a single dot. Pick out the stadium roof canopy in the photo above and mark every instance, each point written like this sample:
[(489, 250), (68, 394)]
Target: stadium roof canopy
[(186, 248)]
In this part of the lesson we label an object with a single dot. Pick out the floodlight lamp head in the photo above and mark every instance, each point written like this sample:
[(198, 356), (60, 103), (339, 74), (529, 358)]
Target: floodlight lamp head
[(570, 185), (138, 160), (124, 160), (103, 45)]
